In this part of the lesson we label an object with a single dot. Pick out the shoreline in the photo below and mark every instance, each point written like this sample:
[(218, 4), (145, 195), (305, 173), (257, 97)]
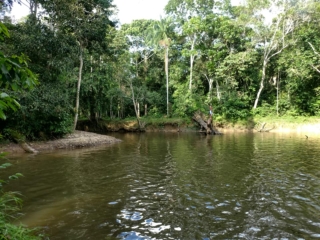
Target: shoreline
[(75, 140), (85, 139), (277, 128)]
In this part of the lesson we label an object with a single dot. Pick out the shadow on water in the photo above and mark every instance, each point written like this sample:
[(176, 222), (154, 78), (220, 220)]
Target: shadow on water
[(176, 186)]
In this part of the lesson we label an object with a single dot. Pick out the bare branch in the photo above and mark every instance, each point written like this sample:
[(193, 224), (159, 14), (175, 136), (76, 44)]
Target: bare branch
[(276, 53), (315, 68), (313, 48)]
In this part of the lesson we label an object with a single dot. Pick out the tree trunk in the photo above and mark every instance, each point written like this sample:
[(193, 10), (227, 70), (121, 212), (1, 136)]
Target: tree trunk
[(265, 62), (208, 126), (218, 91), (191, 63), (166, 57), (145, 110), (78, 90), (278, 89), (210, 82), (135, 105)]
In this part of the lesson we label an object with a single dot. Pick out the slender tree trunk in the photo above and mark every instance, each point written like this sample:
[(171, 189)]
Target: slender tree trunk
[(135, 104), (210, 82), (191, 68), (278, 90), (263, 77), (191, 63), (277, 100), (78, 90), (218, 91), (167, 75), (145, 110)]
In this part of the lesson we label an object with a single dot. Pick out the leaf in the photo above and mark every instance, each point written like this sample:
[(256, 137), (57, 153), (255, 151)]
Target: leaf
[(5, 165), (4, 69), (4, 95), (2, 115), (14, 87)]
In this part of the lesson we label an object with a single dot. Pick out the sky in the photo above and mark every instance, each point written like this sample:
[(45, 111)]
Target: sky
[(140, 9), (128, 9)]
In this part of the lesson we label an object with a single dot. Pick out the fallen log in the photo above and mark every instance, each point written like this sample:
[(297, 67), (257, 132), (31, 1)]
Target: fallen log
[(26, 147), (20, 139), (208, 126), (262, 128)]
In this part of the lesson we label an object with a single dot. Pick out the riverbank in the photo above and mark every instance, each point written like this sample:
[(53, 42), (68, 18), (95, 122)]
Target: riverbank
[(78, 139), (84, 136), (275, 124), (263, 124)]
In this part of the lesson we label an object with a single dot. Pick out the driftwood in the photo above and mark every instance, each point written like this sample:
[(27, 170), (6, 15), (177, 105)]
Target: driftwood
[(262, 128), (22, 143), (208, 126), (25, 146)]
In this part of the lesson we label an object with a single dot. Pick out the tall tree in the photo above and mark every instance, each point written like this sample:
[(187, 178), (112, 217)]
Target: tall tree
[(192, 29), (159, 36)]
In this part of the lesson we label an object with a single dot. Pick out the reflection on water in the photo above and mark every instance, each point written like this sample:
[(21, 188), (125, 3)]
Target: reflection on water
[(176, 186)]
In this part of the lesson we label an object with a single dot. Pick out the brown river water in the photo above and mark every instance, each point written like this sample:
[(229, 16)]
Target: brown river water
[(175, 186)]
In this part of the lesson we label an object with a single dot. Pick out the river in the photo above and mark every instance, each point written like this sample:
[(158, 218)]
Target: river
[(175, 186)]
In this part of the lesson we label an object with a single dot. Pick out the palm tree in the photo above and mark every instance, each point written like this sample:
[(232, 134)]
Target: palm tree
[(159, 37)]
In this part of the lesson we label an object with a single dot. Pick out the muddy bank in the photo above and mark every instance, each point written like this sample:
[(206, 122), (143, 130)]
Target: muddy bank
[(278, 127), (132, 126), (78, 139), (105, 126)]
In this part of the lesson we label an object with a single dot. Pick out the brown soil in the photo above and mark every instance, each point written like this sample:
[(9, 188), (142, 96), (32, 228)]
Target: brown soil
[(78, 139)]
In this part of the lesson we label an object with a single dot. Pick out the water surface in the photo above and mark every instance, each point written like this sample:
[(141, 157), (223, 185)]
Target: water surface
[(176, 186)]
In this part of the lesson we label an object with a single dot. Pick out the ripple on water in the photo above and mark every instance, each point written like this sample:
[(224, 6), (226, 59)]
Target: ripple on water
[(133, 216), (210, 207), (159, 229), (132, 236), (222, 204), (136, 216)]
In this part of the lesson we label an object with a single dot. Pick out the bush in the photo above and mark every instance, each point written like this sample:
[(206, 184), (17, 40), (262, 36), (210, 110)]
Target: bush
[(45, 113), (186, 103), (234, 108), (264, 110)]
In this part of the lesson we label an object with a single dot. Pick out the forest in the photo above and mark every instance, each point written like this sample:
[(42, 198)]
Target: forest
[(69, 60)]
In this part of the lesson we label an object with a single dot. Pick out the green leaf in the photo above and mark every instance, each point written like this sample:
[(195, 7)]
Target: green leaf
[(4, 95), (2, 115), (5, 165)]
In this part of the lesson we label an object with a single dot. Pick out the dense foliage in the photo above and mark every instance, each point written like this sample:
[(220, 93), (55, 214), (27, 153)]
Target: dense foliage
[(239, 59)]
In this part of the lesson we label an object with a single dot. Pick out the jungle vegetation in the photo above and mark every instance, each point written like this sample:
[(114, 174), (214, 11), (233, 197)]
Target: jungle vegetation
[(71, 59)]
